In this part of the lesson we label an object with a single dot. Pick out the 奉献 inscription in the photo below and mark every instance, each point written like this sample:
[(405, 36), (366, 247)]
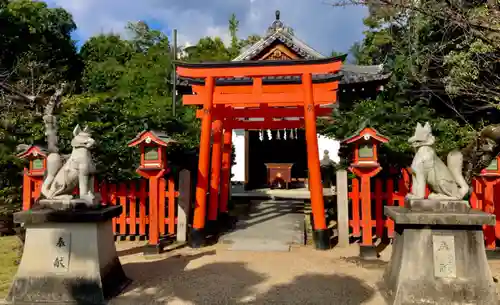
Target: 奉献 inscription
[(60, 259), (444, 256)]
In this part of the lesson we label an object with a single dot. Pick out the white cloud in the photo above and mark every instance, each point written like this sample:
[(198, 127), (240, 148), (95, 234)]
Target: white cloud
[(324, 27)]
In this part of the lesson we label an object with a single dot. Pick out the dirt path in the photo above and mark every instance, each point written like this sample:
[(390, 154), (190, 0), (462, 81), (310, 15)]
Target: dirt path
[(214, 275)]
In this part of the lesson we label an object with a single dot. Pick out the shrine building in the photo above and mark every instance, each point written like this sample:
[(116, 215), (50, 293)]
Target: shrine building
[(266, 102), (256, 148)]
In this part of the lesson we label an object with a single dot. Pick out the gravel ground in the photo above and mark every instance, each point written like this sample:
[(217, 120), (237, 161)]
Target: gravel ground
[(215, 275)]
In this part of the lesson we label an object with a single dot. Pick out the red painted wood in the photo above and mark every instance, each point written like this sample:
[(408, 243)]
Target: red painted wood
[(122, 200), (390, 202), (27, 186), (112, 201), (162, 206), (489, 207), (143, 195), (366, 212), (355, 208), (132, 212), (104, 193), (379, 208), (485, 191), (171, 205), (496, 208)]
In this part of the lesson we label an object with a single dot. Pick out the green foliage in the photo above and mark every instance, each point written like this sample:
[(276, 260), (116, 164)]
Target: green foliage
[(443, 71), (208, 49), (37, 53)]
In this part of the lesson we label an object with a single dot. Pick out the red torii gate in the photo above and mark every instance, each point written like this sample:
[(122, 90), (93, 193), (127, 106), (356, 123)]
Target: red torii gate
[(228, 104)]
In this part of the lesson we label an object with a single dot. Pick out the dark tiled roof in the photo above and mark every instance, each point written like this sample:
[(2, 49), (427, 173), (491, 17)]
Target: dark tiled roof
[(348, 74)]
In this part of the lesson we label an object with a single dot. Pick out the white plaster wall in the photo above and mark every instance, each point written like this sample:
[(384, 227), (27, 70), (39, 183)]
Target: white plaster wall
[(238, 169), (331, 145)]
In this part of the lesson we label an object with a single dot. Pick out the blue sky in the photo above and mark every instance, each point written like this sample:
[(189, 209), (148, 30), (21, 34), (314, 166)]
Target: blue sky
[(322, 26)]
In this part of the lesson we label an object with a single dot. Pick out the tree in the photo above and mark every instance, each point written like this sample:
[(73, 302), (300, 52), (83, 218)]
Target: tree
[(234, 49), (213, 49), (37, 54), (126, 91), (250, 40), (207, 49), (454, 45), (422, 49)]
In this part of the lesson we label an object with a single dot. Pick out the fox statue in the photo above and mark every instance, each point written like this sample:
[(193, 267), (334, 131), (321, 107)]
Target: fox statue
[(78, 170), (445, 181)]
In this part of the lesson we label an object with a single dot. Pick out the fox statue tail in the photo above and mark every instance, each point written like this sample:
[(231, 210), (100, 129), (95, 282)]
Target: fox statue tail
[(455, 162), (54, 164)]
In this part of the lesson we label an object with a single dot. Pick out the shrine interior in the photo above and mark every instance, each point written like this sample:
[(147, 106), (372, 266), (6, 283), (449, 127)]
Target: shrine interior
[(262, 150)]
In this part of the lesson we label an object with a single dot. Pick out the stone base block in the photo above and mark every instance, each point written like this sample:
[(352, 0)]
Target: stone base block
[(68, 203), (438, 255), (68, 258)]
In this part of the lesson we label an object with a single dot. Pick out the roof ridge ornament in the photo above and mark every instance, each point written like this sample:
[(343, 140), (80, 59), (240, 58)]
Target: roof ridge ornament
[(278, 26)]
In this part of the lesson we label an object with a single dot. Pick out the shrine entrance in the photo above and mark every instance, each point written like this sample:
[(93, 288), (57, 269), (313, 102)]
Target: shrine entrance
[(262, 95), (286, 146)]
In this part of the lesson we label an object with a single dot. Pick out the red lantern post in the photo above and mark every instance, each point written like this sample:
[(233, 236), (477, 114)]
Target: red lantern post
[(153, 166), (365, 165), (33, 175), (489, 178)]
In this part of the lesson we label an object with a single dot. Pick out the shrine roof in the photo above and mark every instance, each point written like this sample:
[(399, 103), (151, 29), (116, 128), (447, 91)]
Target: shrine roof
[(24, 150), (159, 137), (365, 130), (278, 31), (348, 74), (270, 80)]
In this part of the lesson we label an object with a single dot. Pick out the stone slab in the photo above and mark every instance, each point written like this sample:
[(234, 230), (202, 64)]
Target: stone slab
[(404, 215), (438, 257), (279, 221), (42, 215), (68, 263)]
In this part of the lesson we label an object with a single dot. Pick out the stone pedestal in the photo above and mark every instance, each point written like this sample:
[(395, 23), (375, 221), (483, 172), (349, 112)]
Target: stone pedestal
[(438, 255), (69, 257)]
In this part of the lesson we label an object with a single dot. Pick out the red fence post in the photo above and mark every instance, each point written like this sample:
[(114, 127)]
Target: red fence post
[(27, 190)]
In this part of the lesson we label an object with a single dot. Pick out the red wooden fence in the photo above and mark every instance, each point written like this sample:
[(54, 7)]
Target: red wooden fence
[(370, 221), (363, 221), (133, 196)]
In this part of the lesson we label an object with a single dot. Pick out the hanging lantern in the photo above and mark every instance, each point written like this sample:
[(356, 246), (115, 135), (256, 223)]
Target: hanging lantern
[(261, 135), (278, 135), (269, 135), (284, 134)]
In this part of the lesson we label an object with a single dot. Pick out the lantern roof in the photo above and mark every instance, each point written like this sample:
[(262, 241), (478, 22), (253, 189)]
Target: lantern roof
[(26, 151), (159, 137), (366, 133)]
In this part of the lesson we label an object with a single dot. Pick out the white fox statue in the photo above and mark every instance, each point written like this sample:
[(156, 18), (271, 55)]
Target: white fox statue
[(445, 181), (78, 170)]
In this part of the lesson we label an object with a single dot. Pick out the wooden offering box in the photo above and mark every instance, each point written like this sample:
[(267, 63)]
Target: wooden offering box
[(279, 174)]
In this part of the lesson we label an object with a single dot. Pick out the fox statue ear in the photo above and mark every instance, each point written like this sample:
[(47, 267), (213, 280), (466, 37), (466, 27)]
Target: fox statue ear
[(427, 126), (86, 129), (77, 130), (419, 126)]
